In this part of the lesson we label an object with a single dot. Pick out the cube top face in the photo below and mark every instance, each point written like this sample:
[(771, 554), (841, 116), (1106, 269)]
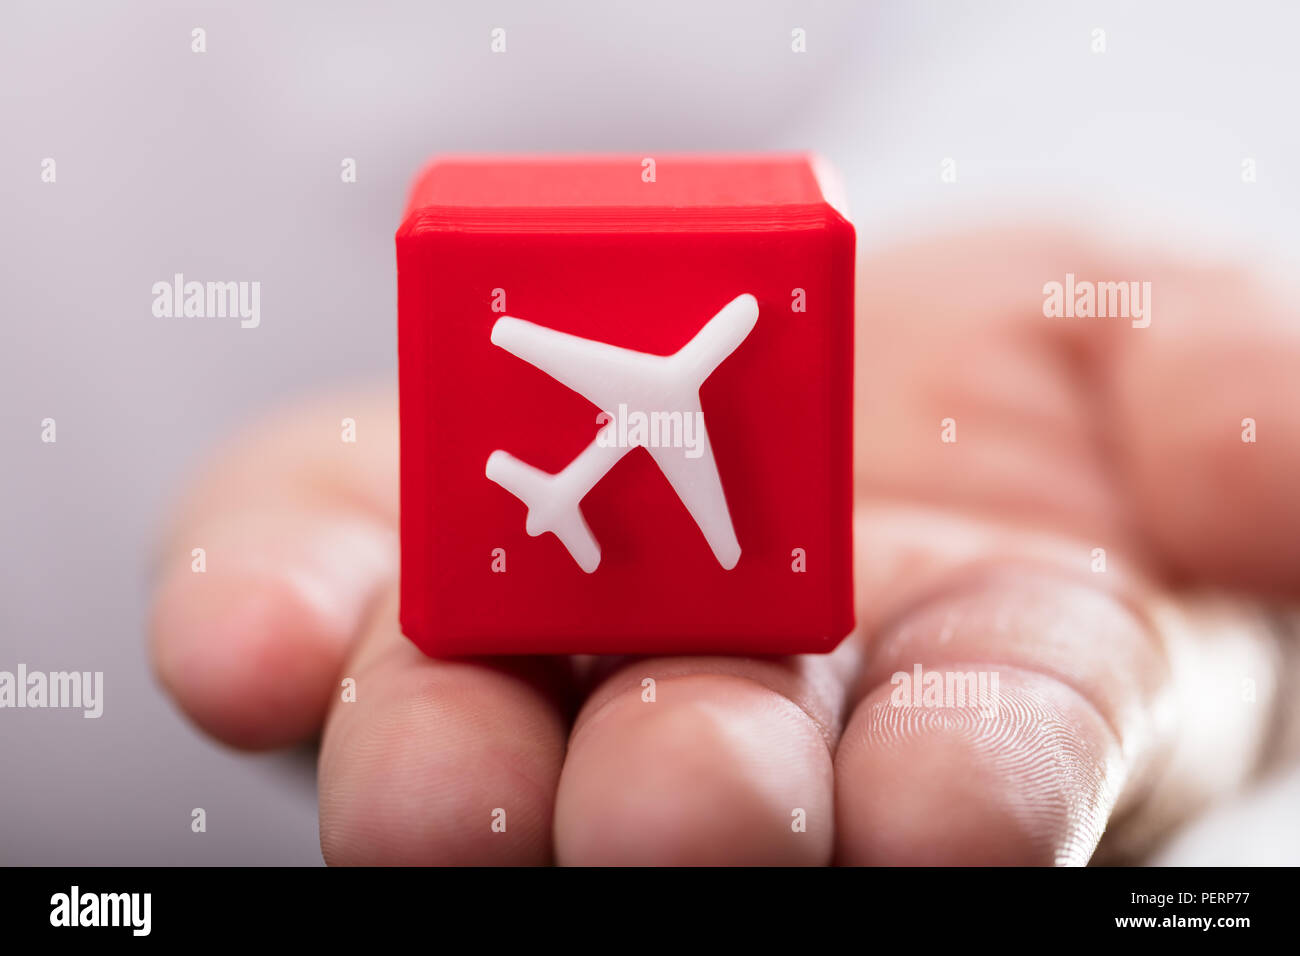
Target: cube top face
[(605, 183), (626, 420)]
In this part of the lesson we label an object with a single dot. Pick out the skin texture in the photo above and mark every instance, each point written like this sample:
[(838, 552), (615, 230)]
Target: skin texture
[(1121, 702)]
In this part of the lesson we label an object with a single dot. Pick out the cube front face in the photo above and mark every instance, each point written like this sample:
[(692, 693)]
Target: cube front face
[(778, 412)]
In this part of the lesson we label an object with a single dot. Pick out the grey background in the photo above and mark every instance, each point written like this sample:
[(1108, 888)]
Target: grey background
[(226, 165)]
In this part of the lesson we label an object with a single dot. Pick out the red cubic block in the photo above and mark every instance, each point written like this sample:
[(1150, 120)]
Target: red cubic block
[(626, 406)]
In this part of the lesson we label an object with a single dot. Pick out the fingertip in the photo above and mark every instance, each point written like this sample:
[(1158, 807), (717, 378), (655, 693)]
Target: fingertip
[(1207, 433), (249, 636), (440, 762), (1029, 782), (718, 770), (245, 656)]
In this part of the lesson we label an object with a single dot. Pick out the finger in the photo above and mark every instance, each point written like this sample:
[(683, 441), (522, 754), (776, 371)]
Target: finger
[(250, 647), (950, 425), (441, 762), (1134, 437), (1206, 419), (1228, 671), (270, 570), (717, 760), (1075, 724)]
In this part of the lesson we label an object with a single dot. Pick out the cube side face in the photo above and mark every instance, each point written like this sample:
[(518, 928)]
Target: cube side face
[(416, 368), (778, 412)]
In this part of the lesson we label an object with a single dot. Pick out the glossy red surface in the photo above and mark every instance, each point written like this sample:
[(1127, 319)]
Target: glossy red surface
[(572, 251)]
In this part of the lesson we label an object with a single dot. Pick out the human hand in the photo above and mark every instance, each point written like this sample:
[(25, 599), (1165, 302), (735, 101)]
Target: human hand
[(1124, 695)]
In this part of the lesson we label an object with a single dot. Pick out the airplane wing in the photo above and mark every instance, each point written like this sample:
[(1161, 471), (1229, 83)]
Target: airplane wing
[(548, 508), (599, 372), (699, 487)]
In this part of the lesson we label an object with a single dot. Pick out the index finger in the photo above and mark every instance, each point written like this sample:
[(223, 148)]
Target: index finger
[(267, 575)]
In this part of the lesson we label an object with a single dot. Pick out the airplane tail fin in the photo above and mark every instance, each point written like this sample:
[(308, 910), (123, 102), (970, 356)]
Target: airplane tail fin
[(548, 506), (719, 337)]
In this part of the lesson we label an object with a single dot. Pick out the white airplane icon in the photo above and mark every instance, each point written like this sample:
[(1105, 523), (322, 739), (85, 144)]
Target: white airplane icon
[(609, 377)]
